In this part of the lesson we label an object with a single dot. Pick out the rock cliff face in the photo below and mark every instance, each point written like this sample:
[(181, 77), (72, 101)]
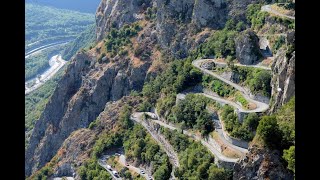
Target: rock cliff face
[(87, 85), (247, 48), (283, 81), (115, 13), (191, 16), (76, 148), (261, 164), (179, 24), (78, 99), (283, 73)]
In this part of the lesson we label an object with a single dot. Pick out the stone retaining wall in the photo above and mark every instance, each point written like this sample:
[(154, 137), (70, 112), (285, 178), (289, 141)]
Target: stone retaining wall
[(260, 98), (235, 141)]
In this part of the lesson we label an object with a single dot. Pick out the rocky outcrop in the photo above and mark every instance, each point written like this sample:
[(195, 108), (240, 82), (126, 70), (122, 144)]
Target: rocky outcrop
[(179, 24), (52, 115), (261, 164), (283, 80), (208, 65), (75, 150), (80, 96), (283, 74), (116, 13), (65, 169), (247, 47)]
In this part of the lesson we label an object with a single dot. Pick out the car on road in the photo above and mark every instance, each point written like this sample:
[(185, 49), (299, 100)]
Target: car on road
[(115, 173), (149, 178), (109, 167), (153, 116), (117, 154), (142, 172)]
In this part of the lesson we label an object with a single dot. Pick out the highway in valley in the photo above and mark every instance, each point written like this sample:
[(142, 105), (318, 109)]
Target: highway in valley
[(56, 63), (44, 47)]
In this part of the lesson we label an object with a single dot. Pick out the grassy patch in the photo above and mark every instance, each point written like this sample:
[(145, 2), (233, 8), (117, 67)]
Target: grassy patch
[(241, 99)]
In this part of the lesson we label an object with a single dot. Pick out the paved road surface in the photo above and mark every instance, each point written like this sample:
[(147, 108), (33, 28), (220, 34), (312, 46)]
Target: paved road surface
[(221, 132), (261, 106), (268, 9), (56, 63), (238, 64), (47, 46), (60, 178), (215, 152), (122, 161), (173, 156), (104, 165)]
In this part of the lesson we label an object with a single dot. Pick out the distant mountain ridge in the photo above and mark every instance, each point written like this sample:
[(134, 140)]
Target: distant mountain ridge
[(87, 6)]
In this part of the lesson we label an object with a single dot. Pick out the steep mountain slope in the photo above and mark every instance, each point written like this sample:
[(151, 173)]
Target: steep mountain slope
[(283, 69), (136, 41), (84, 40)]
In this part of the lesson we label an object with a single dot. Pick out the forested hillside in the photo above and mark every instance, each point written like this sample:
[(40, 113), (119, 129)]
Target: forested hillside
[(49, 24), (183, 89), (86, 6)]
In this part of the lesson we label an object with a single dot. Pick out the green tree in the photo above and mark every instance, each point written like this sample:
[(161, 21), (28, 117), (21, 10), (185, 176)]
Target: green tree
[(251, 121), (162, 173), (240, 26), (124, 117), (217, 173), (230, 24), (268, 130), (289, 156)]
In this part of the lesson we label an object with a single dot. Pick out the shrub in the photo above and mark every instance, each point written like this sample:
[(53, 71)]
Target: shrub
[(192, 111), (93, 124), (289, 156), (221, 44), (268, 130), (241, 99), (240, 26), (280, 41), (243, 133), (116, 39), (251, 121), (216, 173)]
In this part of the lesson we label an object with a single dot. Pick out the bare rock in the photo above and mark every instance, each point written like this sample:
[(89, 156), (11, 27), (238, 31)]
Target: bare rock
[(283, 80), (79, 98), (247, 47), (115, 13), (261, 164)]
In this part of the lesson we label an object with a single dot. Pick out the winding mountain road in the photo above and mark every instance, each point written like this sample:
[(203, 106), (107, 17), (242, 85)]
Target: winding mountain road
[(222, 136), (261, 106), (268, 8), (137, 117), (102, 161), (122, 161), (173, 156), (104, 165), (214, 151)]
